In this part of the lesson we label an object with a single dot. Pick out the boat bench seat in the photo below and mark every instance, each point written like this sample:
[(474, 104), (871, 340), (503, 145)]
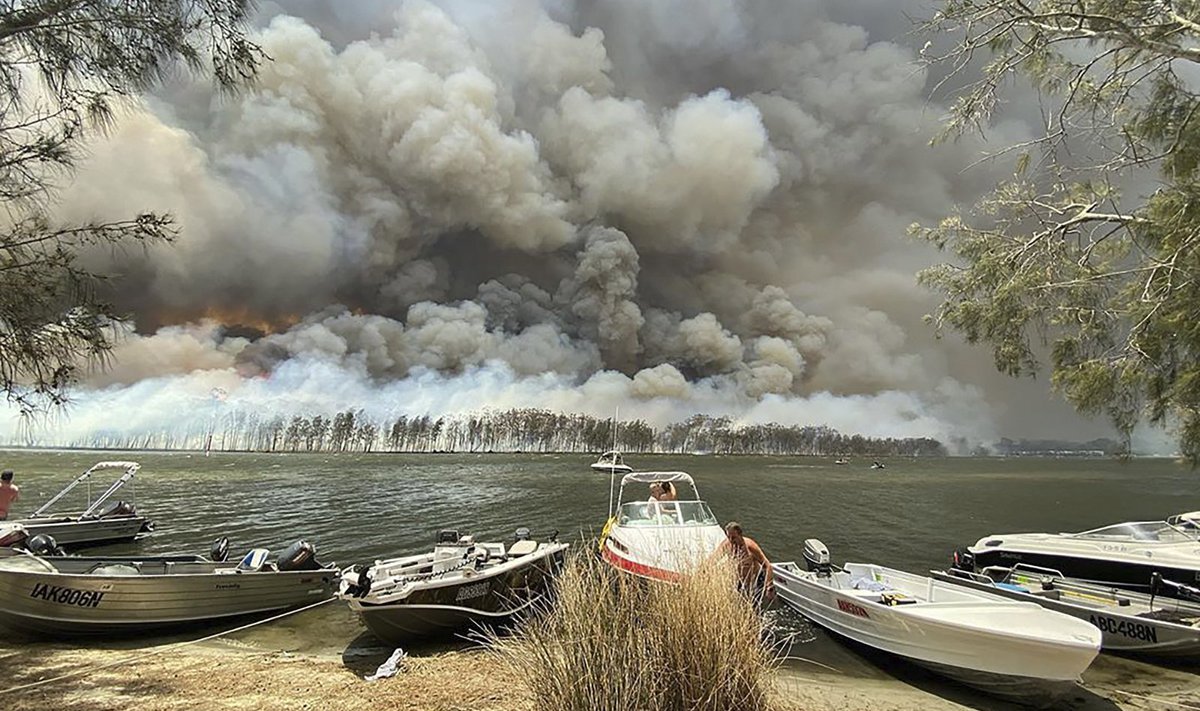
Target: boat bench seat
[(521, 548)]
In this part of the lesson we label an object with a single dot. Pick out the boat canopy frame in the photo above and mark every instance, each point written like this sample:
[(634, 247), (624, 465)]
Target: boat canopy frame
[(650, 478), (131, 469)]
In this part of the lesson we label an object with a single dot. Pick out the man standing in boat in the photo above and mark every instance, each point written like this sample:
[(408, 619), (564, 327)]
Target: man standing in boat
[(9, 493), (755, 576)]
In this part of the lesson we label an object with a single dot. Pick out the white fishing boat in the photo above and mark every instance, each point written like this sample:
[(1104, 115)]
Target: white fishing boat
[(1130, 622), (1124, 555), (460, 585), (1016, 650), (659, 539), (611, 462), (103, 520)]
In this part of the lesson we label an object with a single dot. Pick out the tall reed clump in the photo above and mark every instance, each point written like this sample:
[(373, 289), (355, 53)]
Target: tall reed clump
[(611, 642)]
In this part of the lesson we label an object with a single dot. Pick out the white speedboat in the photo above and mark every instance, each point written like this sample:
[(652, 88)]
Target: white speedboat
[(1123, 555), (659, 539), (611, 463), (460, 585), (1016, 650), (1129, 621), (104, 520)]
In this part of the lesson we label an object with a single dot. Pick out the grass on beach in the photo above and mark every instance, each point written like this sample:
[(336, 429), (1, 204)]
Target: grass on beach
[(612, 642)]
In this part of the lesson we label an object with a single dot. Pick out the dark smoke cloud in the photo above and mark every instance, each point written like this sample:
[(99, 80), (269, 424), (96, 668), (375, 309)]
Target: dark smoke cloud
[(678, 206)]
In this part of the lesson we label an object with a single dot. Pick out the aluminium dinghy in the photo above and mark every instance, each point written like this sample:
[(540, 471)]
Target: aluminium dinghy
[(1017, 650), (104, 520), (56, 596), (461, 585)]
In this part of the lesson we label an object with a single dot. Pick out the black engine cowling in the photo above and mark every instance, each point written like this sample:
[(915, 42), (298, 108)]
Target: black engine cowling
[(301, 555), (219, 552), (43, 544), (360, 585)]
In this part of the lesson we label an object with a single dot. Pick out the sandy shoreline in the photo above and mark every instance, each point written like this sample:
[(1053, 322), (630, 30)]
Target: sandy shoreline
[(231, 675)]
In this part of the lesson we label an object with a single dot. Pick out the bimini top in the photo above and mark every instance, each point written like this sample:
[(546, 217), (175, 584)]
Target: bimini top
[(651, 477), (116, 465)]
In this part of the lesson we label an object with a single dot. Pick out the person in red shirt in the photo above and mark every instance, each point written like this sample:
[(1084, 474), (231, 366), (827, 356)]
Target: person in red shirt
[(9, 492)]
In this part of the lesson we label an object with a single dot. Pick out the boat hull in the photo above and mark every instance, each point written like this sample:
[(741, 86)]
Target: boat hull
[(1009, 665), (660, 552), (461, 604), (74, 533), (1125, 574), (1130, 634), (56, 604), (612, 469)]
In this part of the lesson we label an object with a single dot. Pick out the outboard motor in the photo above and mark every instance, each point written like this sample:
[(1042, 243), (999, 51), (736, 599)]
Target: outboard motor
[(219, 552), (115, 509), (522, 534), (360, 586), (13, 536), (301, 555), (816, 557), (43, 544), (447, 536), (962, 560)]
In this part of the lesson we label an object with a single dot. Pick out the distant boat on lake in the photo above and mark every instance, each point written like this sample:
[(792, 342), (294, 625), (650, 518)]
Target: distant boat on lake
[(611, 462)]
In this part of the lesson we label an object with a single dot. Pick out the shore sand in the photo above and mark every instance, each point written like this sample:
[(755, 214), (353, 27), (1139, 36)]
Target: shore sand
[(224, 675)]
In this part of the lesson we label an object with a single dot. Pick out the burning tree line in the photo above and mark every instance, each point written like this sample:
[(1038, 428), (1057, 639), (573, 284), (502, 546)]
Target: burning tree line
[(517, 430)]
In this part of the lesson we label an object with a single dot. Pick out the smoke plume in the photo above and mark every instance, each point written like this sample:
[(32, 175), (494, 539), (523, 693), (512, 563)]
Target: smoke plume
[(422, 207)]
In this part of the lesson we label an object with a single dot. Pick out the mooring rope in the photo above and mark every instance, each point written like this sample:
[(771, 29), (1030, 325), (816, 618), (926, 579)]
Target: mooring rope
[(161, 650), (1141, 697)]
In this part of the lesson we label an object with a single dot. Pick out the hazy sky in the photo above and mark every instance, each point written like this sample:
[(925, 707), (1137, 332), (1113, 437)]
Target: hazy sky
[(671, 207)]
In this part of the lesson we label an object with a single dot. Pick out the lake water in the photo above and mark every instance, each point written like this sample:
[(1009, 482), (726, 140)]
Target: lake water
[(355, 508)]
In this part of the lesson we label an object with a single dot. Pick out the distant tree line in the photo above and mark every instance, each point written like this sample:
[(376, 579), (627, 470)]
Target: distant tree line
[(517, 430)]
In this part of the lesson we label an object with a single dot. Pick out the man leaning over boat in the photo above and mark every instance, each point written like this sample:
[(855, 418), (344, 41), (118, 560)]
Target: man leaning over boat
[(755, 577)]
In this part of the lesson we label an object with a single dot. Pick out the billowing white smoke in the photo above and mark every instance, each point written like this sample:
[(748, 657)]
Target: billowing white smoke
[(674, 207)]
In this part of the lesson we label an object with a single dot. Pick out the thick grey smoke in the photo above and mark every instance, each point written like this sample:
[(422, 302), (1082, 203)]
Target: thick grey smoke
[(676, 206)]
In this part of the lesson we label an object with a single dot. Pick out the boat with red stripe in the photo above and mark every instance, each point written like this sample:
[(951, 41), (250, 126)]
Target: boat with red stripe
[(659, 539)]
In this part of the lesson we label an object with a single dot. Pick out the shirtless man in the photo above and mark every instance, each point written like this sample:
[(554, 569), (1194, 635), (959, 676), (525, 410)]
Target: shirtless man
[(9, 492), (755, 576)]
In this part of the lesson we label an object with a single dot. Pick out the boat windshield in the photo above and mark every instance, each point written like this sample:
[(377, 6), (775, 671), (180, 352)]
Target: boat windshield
[(666, 513), (1157, 531)]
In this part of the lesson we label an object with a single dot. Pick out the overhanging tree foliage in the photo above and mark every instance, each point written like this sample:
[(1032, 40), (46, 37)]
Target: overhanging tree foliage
[(65, 66), (1089, 250)]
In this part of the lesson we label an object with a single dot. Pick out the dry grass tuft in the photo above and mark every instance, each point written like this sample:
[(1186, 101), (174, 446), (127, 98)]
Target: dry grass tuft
[(612, 642)]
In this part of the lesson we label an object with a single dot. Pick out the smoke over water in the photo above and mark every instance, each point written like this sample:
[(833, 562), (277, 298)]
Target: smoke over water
[(427, 208)]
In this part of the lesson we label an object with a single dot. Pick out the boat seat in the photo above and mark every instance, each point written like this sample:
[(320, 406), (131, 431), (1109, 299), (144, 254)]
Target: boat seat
[(112, 569), (254, 561), (521, 548)]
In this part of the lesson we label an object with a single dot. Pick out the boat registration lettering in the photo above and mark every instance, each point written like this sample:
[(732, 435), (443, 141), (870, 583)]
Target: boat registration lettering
[(67, 596), (852, 609), (1125, 628), (469, 592)]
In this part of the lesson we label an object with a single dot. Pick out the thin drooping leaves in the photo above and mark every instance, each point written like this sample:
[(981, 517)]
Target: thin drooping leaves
[(65, 68), (1089, 250)]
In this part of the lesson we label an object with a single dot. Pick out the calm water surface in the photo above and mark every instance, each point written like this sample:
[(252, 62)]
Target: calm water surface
[(359, 507)]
